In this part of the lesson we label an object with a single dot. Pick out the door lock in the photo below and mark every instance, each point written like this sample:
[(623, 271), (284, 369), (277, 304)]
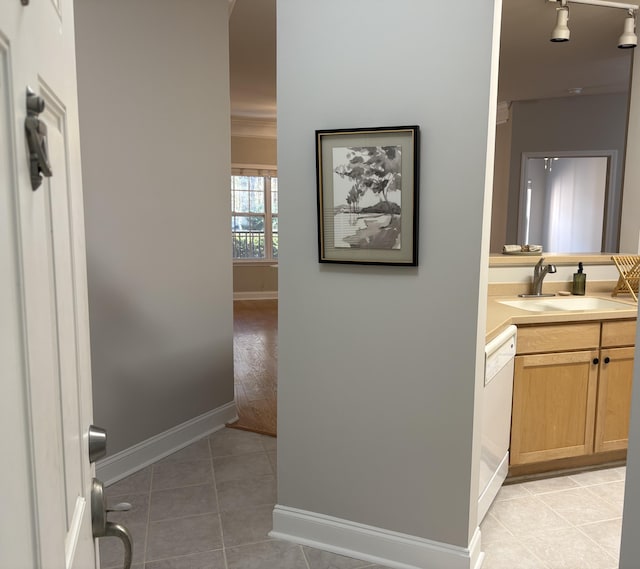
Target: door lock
[(97, 443), (102, 527)]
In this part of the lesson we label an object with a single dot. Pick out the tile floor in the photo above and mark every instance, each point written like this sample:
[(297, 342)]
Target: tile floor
[(568, 522), (209, 506)]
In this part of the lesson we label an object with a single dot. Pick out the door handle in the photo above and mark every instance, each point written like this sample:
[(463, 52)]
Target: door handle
[(36, 131), (102, 527)]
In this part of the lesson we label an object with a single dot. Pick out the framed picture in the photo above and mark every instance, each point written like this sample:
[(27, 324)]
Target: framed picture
[(368, 195)]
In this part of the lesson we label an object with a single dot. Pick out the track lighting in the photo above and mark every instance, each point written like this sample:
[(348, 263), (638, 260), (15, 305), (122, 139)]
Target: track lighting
[(628, 38), (561, 32)]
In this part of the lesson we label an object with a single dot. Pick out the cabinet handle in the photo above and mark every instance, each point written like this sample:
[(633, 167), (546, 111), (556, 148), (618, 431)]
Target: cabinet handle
[(596, 361), (607, 360)]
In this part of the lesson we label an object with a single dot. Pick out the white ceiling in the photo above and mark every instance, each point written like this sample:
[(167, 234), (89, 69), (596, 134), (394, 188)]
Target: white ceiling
[(531, 67), (252, 55)]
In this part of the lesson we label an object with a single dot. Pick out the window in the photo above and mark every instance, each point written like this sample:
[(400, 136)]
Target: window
[(254, 219)]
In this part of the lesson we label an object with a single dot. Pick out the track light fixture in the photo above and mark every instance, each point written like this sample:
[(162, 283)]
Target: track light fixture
[(628, 38), (561, 32)]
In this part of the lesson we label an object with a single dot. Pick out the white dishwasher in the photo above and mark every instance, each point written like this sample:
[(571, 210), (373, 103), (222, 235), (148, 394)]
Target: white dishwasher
[(496, 416)]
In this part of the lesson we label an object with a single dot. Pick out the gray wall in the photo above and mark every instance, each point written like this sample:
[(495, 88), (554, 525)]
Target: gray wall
[(595, 122), (156, 177), (630, 226), (378, 366), (500, 200)]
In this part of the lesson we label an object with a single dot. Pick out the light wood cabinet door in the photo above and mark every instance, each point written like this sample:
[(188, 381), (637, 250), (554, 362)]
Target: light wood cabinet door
[(554, 399), (614, 399)]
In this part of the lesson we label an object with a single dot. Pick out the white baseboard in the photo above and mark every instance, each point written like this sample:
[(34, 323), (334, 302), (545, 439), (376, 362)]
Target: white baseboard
[(372, 544), (256, 295), (128, 461)]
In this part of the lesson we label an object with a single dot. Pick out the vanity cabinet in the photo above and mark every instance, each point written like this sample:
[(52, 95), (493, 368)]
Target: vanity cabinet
[(614, 386), (572, 390)]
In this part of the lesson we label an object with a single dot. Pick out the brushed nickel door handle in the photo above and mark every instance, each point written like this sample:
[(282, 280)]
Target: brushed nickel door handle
[(102, 527)]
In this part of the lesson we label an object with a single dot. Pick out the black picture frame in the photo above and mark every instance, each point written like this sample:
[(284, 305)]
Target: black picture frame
[(367, 190)]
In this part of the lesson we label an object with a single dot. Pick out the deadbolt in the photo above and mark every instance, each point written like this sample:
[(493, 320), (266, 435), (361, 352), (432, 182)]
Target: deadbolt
[(97, 443)]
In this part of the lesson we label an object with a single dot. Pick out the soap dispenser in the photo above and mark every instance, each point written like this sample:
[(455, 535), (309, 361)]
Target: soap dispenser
[(579, 281)]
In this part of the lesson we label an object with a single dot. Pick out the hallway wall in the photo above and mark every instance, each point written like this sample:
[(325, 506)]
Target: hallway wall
[(378, 366), (156, 176)]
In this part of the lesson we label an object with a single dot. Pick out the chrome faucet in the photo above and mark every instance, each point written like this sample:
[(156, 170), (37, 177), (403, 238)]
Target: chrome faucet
[(539, 272)]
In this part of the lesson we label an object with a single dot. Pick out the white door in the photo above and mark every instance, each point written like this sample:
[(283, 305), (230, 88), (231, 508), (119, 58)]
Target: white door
[(45, 404)]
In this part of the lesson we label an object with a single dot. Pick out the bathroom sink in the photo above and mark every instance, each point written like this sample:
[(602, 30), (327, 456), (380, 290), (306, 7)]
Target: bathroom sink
[(566, 304)]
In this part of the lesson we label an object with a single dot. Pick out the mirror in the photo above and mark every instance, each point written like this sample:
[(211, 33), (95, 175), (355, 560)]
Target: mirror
[(559, 100), (563, 201)]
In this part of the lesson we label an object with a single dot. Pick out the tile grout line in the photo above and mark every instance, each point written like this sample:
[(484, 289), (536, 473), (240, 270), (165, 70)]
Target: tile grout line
[(594, 495), (605, 499), (304, 556), (519, 537), (596, 543), (215, 490)]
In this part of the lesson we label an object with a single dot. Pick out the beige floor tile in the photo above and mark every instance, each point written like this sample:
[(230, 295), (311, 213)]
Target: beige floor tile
[(529, 526), (318, 559), (241, 466), (247, 493), (550, 484), (606, 535), (206, 560), (183, 536), (510, 553), (266, 555), (599, 476), (176, 474), (492, 530), (234, 442), (512, 491), (240, 527), (580, 506), (612, 492), (568, 548), (269, 443), (136, 483), (523, 516), (182, 502), (273, 459)]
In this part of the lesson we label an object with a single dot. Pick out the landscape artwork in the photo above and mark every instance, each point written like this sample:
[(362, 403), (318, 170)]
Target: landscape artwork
[(367, 184)]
